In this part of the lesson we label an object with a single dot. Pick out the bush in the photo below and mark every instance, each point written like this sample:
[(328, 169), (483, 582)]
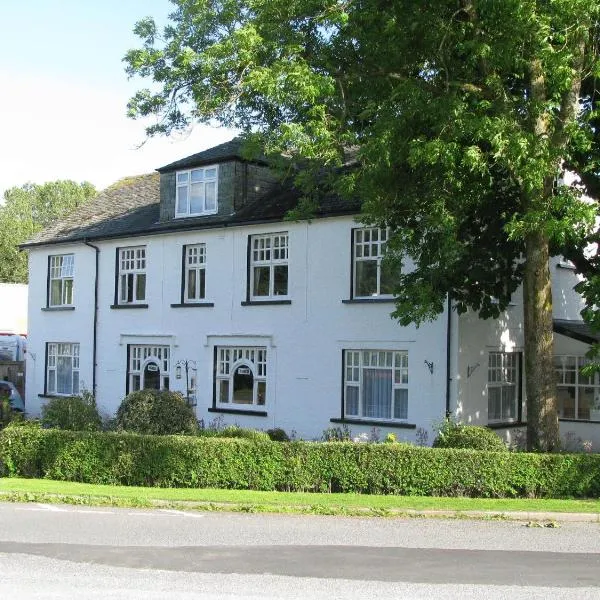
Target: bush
[(74, 413), (235, 431), (156, 413), (198, 462), (456, 435), (278, 435)]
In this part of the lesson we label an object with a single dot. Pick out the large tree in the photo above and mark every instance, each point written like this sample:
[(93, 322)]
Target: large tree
[(465, 114), (28, 209)]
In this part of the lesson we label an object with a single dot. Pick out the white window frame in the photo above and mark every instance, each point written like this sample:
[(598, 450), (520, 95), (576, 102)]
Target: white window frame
[(65, 352), (132, 267), (197, 179), (195, 261), (142, 355), (504, 375), (269, 251), (61, 270), (228, 360), (569, 378), (368, 245), (356, 362)]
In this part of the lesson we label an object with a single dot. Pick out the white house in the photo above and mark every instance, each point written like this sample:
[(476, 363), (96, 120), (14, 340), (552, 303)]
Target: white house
[(194, 270)]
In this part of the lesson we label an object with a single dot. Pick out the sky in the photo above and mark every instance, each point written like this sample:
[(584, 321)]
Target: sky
[(64, 91)]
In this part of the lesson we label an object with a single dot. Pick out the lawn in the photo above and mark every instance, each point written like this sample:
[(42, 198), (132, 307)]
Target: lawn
[(44, 490)]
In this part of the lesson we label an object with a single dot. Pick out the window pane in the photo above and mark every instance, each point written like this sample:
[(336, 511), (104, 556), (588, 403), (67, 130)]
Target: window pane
[(211, 196), (280, 280), (197, 175), (52, 381), (509, 402), (387, 277), (261, 393), (140, 292), (182, 200), (135, 383), (261, 281), (586, 399), (566, 402), (202, 275), (191, 288), (55, 292), (197, 198), (352, 400), (223, 390), (366, 278), (243, 386), (377, 393), (494, 403), (400, 404), (63, 375), (75, 382), (68, 291)]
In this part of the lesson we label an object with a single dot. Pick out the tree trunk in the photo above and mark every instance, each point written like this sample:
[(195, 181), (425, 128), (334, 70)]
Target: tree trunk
[(540, 386)]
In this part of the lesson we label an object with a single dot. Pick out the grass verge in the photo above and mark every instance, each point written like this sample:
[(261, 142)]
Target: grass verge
[(44, 490)]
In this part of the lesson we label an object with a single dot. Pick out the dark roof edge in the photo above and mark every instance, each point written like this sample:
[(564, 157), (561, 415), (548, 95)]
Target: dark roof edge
[(208, 161), (183, 227), (575, 335)]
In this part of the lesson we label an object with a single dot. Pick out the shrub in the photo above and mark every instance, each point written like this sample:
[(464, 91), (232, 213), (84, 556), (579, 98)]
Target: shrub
[(278, 435), (157, 413), (456, 435), (235, 431), (74, 413)]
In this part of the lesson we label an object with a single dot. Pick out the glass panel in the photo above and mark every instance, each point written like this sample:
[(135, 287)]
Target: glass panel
[(135, 383), (182, 177), (566, 402), (494, 404), (63, 375), (261, 393), (509, 404), (585, 400), (211, 196), (52, 381), (202, 275), (211, 173), (387, 277), (352, 400), (377, 393), (261, 281), (182, 200), (68, 291), (152, 376), (191, 288), (280, 280), (197, 175), (197, 198), (75, 382), (366, 278), (243, 385), (224, 390), (56, 292), (140, 292), (400, 404)]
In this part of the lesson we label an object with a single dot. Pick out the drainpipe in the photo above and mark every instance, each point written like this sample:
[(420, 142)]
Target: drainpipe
[(95, 337), (448, 357)]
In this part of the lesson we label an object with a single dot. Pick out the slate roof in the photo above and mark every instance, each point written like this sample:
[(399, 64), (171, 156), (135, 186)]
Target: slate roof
[(130, 208), (577, 330)]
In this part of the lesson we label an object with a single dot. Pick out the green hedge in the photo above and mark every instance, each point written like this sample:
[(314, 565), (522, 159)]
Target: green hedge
[(183, 461)]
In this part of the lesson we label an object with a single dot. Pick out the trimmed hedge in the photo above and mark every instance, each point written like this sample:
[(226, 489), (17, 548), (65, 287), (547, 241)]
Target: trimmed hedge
[(183, 461)]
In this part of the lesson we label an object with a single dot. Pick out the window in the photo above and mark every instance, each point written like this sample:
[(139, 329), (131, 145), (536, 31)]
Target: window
[(372, 277), (576, 392), (148, 368), (503, 386), (61, 280), (196, 192), (195, 273), (376, 384), (269, 266), (132, 275), (62, 371), (241, 376)]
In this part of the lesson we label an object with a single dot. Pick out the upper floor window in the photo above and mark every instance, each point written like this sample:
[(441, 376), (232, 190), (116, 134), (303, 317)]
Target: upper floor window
[(578, 394), (195, 272), (62, 369), (269, 266), (60, 274), (372, 277), (503, 386), (132, 275), (376, 384), (196, 192), (241, 376)]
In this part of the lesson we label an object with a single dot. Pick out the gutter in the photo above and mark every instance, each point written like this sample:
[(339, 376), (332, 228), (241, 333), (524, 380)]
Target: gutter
[(95, 336)]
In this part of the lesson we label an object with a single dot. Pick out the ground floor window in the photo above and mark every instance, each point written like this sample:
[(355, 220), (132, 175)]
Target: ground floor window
[(577, 394), (241, 376), (376, 384), (503, 386), (148, 367), (62, 370)]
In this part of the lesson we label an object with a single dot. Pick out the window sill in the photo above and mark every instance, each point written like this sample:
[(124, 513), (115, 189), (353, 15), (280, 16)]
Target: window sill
[(119, 306), (376, 423), (193, 305), (196, 215), (260, 302), (578, 420), (57, 308), (239, 411), (506, 424), (374, 300), (57, 395), (567, 266)]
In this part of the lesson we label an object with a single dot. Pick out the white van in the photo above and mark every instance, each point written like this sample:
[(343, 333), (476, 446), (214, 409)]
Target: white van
[(12, 347)]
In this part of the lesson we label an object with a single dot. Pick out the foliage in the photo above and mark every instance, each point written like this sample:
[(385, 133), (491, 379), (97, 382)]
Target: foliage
[(75, 413), (337, 434), (457, 435), (278, 435), (235, 431), (464, 115), (27, 210), (156, 412), (196, 462)]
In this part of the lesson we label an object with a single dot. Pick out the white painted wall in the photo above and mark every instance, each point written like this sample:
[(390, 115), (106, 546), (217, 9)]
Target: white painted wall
[(304, 340), (13, 308)]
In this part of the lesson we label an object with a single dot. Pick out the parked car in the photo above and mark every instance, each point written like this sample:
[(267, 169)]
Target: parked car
[(16, 402)]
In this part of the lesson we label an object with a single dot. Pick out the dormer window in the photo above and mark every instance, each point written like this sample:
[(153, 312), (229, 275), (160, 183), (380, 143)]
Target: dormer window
[(197, 192)]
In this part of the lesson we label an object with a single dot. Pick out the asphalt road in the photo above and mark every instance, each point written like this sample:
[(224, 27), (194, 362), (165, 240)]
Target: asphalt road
[(51, 551)]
